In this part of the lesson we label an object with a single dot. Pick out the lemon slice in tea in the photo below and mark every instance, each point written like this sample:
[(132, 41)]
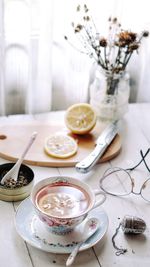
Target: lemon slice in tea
[(60, 146), (80, 118)]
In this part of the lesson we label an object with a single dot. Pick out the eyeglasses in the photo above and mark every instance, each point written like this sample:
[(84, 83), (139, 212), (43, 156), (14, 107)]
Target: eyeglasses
[(118, 181)]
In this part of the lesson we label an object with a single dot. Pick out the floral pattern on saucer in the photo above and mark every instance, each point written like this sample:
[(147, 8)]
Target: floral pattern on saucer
[(34, 231), (45, 241)]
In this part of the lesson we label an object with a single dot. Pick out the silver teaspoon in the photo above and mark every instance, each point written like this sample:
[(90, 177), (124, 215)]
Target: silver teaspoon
[(90, 228), (14, 171)]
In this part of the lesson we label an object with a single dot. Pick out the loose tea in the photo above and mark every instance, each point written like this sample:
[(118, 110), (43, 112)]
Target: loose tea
[(11, 183)]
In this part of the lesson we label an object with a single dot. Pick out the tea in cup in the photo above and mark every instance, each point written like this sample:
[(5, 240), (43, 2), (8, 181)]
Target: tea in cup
[(64, 202)]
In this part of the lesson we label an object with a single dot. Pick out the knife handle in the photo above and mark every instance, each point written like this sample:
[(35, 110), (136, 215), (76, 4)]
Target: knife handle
[(86, 165)]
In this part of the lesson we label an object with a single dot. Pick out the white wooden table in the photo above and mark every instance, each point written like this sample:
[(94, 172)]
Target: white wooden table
[(135, 132)]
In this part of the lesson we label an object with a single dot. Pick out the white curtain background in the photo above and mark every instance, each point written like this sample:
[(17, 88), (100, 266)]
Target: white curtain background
[(26, 45), (40, 71)]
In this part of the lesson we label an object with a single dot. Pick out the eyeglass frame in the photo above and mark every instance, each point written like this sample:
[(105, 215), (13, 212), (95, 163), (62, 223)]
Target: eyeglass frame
[(131, 179)]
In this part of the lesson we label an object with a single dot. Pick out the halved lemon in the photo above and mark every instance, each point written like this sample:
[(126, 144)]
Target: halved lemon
[(60, 146), (80, 118)]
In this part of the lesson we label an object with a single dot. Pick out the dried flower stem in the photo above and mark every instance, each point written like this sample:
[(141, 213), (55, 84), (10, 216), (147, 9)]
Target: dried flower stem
[(113, 53)]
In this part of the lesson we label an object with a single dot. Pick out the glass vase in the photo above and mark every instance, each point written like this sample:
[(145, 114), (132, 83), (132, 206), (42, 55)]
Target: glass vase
[(109, 95)]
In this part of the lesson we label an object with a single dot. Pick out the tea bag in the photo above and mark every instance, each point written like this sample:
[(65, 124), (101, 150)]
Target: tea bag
[(133, 225), (129, 225)]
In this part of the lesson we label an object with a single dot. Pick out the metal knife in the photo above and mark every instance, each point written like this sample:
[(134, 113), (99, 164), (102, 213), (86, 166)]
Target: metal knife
[(102, 142)]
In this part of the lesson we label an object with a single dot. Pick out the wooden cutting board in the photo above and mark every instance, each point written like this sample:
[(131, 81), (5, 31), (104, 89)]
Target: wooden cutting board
[(13, 139)]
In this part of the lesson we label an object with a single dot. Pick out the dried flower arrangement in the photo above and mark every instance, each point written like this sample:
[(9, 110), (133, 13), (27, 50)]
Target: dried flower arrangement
[(113, 53)]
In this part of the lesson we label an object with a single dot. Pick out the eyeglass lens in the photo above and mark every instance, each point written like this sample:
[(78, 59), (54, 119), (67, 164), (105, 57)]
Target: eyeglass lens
[(116, 181), (145, 190)]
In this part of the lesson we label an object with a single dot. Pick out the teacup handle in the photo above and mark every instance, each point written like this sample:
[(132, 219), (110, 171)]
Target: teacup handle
[(99, 202)]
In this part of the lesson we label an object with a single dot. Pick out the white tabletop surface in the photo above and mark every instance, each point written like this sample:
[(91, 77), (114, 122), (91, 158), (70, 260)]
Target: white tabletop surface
[(135, 133)]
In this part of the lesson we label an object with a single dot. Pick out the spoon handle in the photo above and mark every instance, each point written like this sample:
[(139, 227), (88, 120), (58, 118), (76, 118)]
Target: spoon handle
[(33, 136), (73, 254), (13, 172), (20, 160)]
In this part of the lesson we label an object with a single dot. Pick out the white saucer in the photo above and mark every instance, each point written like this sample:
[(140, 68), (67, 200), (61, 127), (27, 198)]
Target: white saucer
[(34, 232)]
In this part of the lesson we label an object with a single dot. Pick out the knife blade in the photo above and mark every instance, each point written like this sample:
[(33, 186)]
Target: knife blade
[(102, 142)]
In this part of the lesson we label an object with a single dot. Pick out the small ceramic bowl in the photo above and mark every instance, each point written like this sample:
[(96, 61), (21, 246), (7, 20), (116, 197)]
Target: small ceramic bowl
[(18, 193)]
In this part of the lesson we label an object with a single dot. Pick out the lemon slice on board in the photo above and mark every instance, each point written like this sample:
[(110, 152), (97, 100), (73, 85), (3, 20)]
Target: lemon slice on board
[(60, 146), (80, 118)]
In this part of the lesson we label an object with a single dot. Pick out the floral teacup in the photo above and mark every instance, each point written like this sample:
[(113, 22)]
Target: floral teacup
[(64, 202)]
